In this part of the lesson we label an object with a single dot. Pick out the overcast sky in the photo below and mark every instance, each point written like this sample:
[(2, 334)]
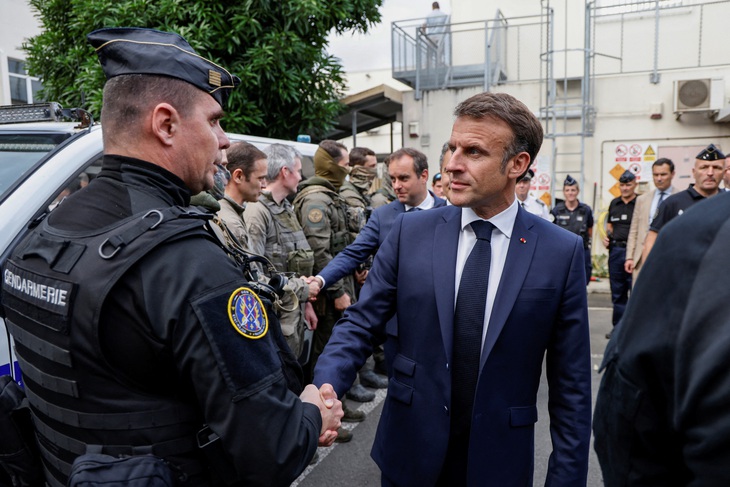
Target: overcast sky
[(372, 51)]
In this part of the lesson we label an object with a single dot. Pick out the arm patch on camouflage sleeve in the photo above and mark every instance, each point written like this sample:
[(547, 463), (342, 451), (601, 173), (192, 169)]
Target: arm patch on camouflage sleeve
[(315, 215)]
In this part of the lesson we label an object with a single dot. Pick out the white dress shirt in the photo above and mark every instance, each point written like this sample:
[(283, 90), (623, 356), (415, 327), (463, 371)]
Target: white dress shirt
[(504, 223), (426, 204)]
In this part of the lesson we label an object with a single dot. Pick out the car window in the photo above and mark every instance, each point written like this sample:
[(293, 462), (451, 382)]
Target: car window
[(19, 152), (89, 172)]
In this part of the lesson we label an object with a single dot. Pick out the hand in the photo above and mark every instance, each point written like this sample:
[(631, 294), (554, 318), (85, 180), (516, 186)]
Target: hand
[(310, 316), (606, 242), (330, 408), (360, 276), (629, 266), (343, 302), (315, 286)]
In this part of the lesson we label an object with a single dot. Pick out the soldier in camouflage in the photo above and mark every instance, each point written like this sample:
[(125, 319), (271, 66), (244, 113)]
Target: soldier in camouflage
[(275, 232), (323, 216)]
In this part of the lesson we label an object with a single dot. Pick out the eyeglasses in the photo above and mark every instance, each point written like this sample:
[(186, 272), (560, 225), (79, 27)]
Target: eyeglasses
[(437, 177)]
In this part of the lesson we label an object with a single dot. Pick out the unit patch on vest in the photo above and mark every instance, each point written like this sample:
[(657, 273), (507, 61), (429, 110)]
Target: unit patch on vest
[(44, 292), (247, 313)]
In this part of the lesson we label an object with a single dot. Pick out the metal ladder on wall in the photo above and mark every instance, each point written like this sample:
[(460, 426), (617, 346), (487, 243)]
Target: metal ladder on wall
[(567, 110)]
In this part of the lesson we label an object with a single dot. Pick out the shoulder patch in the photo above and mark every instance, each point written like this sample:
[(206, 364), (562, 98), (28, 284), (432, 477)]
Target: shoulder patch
[(247, 313), (315, 215)]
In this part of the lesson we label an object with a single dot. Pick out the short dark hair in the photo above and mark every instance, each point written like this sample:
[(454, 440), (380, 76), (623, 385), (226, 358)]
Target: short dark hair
[(444, 149), (242, 155), (359, 155), (526, 128), (420, 162), (333, 148), (128, 98), (663, 160)]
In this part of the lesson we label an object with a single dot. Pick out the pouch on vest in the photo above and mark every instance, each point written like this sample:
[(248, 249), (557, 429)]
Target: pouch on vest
[(301, 262), (96, 469), (339, 241), (19, 455)]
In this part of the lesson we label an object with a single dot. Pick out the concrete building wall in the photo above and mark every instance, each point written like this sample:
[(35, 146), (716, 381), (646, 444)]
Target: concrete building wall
[(385, 139), (17, 23), (632, 113)]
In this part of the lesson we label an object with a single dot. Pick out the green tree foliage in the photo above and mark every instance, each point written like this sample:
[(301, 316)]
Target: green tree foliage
[(290, 85)]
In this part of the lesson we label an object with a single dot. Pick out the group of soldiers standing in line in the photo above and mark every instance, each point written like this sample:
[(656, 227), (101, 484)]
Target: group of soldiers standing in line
[(299, 227)]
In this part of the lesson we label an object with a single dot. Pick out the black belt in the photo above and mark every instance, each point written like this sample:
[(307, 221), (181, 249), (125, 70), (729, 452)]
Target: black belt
[(618, 243)]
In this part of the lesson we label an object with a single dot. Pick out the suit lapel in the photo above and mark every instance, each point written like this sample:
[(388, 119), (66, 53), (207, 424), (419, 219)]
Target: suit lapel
[(445, 246), (519, 257)]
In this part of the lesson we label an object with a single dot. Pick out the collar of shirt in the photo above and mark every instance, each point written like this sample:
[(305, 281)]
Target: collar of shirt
[(239, 208), (426, 204), (504, 221)]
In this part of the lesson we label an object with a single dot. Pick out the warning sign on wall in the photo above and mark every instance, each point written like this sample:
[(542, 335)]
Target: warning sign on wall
[(635, 156)]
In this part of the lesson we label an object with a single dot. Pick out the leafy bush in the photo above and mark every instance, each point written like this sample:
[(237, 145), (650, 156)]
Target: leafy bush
[(289, 83)]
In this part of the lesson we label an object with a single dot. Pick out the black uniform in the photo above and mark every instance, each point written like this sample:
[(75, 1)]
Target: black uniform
[(674, 206), (619, 216), (578, 221), (144, 348), (662, 413)]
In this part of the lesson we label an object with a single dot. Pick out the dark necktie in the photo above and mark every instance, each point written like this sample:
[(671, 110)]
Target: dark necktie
[(413, 210), (659, 203), (523, 204), (468, 326)]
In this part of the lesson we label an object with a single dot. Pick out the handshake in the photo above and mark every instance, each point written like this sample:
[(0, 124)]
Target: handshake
[(330, 408), (315, 284)]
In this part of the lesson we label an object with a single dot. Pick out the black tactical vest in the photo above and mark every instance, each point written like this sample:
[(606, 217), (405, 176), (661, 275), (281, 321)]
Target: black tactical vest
[(55, 281)]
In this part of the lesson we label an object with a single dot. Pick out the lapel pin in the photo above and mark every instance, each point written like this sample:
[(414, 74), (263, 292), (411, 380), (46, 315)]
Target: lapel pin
[(522, 240)]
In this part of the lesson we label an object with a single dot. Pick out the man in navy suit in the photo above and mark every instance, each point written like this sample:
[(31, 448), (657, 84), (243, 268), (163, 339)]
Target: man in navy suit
[(408, 170), (465, 359)]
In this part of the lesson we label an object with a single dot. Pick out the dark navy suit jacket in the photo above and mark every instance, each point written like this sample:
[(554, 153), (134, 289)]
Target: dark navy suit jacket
[(540, 307), (368, 241)]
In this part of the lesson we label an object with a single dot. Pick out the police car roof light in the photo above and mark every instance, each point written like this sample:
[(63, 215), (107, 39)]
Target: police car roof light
[(43, 112)]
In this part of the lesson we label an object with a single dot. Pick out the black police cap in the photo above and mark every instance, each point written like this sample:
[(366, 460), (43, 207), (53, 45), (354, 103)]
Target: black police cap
[(710, 153), (627, 177), (133, 50), (527, 176), (569, 181)]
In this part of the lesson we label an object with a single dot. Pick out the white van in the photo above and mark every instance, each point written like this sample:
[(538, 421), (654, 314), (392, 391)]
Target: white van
[(40, 160)]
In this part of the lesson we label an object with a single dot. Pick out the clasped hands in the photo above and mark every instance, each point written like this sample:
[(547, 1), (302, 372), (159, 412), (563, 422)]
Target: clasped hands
[(330, 408), (315, 286)]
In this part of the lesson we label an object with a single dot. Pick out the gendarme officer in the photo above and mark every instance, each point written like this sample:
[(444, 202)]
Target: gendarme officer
[(135, 331), (620, 212), (576, 217)]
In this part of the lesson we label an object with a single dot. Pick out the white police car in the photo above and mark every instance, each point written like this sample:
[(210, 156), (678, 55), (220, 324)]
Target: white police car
[(42, 159)]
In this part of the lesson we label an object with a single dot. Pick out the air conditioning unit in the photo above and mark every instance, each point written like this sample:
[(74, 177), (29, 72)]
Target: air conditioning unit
[(698, 95)]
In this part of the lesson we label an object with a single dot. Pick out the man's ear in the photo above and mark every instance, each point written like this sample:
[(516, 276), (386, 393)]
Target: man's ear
[(237, 175), (424, 176), (165, 122), (519, 165)]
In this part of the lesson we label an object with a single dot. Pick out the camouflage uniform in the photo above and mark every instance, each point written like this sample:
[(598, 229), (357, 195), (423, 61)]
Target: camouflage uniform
[(357, 208), (231, 214), (323, 215), (383, 195), (274, 232)]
